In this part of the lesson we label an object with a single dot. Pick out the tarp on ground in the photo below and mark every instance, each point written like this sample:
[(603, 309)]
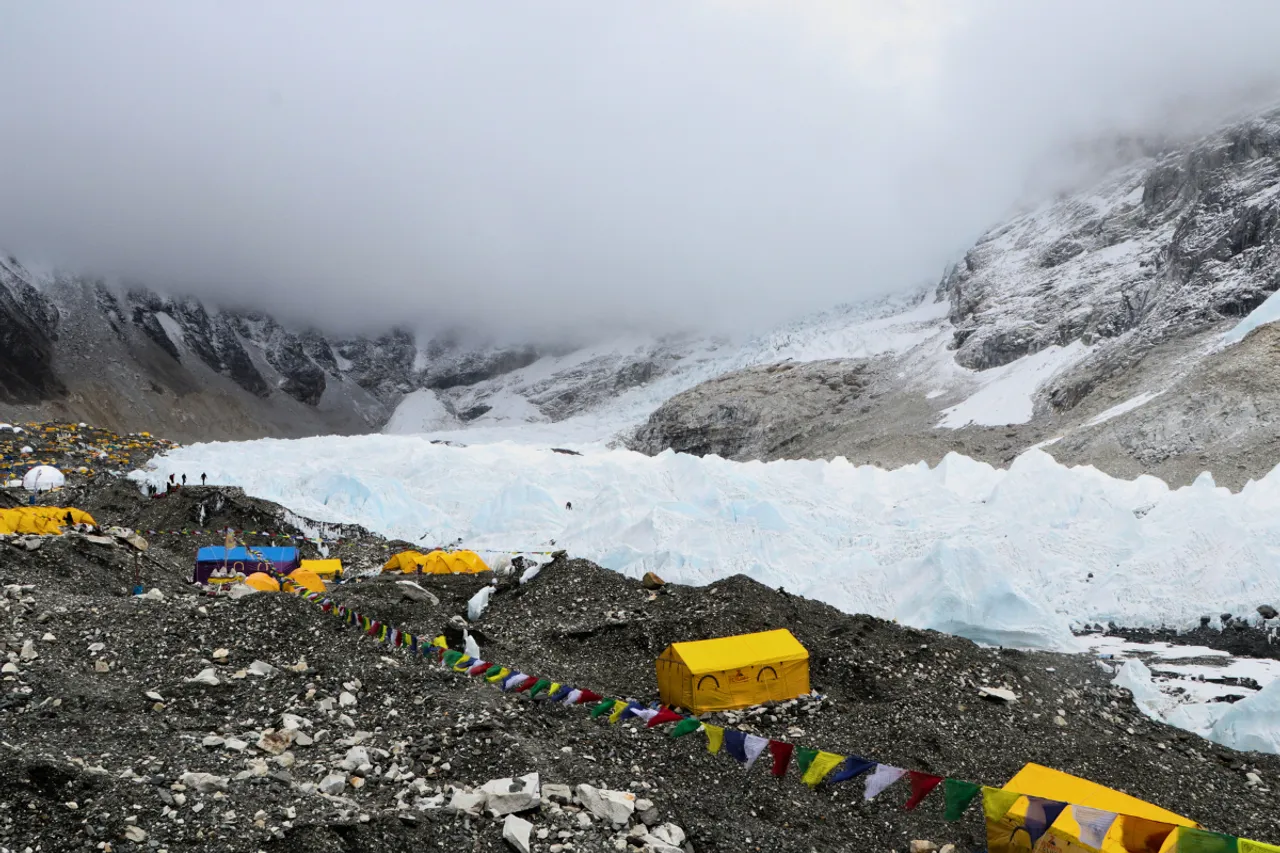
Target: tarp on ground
[(41, 520), (216, 560), (1143, 827), (323, 568), (733, 672)]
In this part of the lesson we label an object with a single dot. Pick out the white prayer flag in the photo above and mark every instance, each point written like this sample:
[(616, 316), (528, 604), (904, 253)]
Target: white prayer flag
[(1094, 824), (882, 777)]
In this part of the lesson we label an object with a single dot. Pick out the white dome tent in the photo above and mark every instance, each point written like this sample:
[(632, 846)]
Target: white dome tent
[(43, 478)]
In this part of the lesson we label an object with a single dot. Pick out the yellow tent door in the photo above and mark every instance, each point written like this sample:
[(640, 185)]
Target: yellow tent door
[(1142, 827), (733, 672)]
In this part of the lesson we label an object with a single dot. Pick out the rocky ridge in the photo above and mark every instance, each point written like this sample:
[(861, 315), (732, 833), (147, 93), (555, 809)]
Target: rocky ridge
[(1130, 285)]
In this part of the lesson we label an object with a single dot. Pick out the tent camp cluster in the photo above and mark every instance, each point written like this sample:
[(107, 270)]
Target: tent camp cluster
[(77, 449)]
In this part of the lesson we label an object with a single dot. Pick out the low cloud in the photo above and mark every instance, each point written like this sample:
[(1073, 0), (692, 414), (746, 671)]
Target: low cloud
[(540, 170)]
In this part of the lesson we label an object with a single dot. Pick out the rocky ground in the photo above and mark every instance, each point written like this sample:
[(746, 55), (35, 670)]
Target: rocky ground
[(178, 721)]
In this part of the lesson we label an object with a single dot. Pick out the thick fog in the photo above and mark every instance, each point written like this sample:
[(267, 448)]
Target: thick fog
[(549, 168)]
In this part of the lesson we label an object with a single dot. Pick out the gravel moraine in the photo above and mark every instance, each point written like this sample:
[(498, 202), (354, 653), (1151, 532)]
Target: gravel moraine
[(305, 736)]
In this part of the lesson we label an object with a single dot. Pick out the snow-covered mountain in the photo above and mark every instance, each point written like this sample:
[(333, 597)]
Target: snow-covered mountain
[(1096, 326)]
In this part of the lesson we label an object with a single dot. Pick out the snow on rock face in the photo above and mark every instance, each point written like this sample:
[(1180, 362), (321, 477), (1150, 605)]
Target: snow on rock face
[(998, 556), (1163, 249)]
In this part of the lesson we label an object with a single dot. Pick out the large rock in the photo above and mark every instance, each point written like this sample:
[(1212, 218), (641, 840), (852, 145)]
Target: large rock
[(467, 802), (613, 806), (506, 796), (204, 783), (515, 831), (333, 784)]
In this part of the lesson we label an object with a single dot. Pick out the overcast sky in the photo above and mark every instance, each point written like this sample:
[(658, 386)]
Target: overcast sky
[(555, 166)]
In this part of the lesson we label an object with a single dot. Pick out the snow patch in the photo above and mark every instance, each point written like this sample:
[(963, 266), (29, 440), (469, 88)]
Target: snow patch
[(1007, 395), (420, 411), (1127, 406), (172, 328)]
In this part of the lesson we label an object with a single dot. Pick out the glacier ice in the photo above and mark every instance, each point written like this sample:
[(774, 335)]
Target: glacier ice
[(1013, 556)]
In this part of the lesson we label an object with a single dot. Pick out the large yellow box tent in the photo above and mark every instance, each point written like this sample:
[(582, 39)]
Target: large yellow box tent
[(1139, 817), (733, 672), (326, 569)]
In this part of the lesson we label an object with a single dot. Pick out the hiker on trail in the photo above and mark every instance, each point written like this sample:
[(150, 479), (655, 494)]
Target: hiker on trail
[(202, 479), (171, 479), (184, 479), (568, 504)]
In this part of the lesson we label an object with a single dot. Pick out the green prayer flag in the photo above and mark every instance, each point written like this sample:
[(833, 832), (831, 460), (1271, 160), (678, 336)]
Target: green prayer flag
[(959, 794), (804, 757), (538, 686), (451, 657), (492, 671), (687, 726), (601, 709), (1199, 841)]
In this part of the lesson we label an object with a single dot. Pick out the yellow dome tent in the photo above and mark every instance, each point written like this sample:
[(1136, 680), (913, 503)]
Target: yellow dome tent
[(323, 568), (305, 579), (733, 672), (1139, 819), (41, 520), (436, 563), (454, 563), (263, 582), (405, 561)]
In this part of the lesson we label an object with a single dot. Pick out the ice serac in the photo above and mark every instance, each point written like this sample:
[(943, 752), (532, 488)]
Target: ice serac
[(1010, 557), (1253, 723)]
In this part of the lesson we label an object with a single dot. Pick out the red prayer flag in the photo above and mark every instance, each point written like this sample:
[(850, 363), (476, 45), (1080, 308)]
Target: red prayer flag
[(921, 785), (589, 696), (528, 682), (664, 715), (781, 753), (480, 667)]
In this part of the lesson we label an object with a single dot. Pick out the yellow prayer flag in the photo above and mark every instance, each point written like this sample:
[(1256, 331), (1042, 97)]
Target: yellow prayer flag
[(551, 691), (440, 642), (618, 707), (1244, 845), (996, 802), (499, 675), (822, 764), (715, 737)]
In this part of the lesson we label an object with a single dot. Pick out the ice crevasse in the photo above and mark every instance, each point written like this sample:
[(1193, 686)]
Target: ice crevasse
[(1009, 557)]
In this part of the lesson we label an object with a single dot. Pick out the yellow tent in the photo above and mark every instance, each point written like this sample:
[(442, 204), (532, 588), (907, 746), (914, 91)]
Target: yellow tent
[(454, 563), (41, 520), (733, 672), (1140, 819), (436, 563), (405, 561), (305, 579), (323, 568), (263, 581)]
